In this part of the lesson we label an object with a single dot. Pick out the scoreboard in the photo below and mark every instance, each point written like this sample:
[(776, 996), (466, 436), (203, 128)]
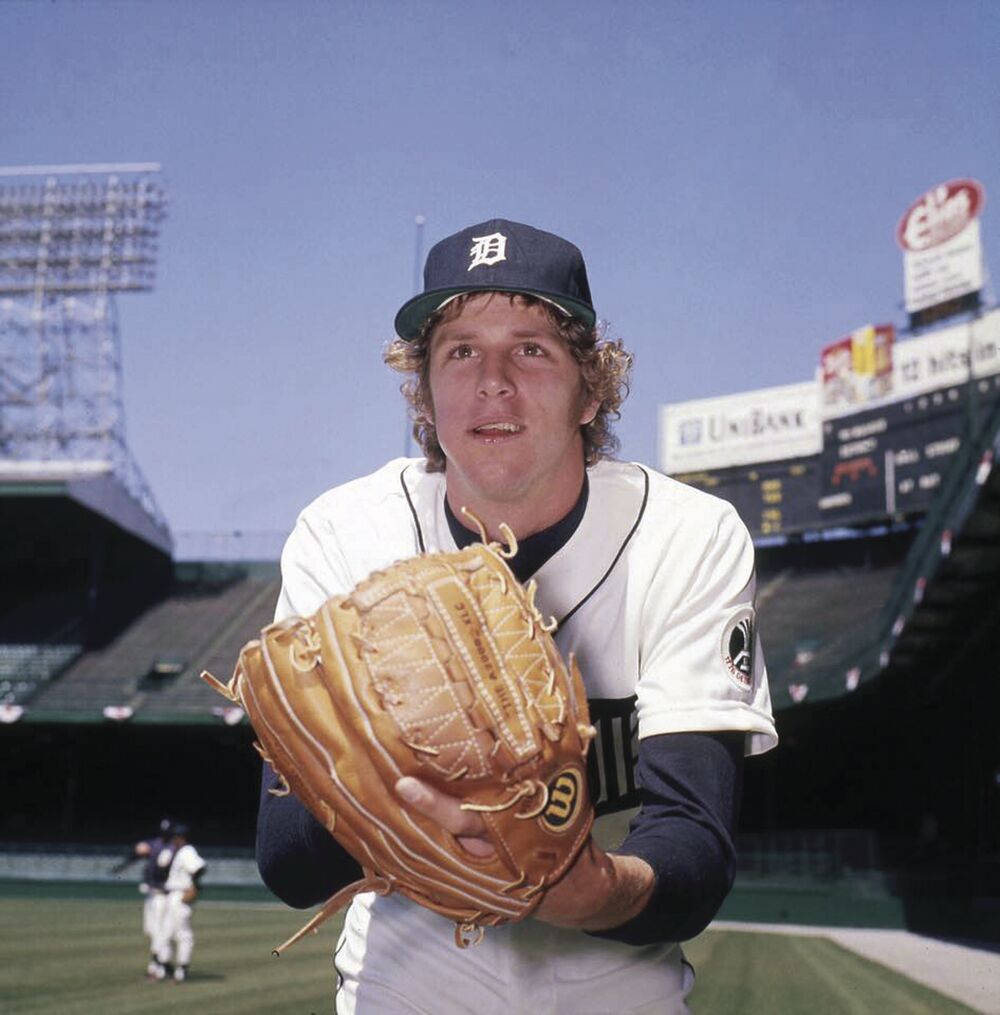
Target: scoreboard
[(772, 498), (890, 461), (877, 464)]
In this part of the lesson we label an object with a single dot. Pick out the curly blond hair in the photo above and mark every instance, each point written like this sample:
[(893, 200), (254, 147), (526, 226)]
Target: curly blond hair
[(604, 364)]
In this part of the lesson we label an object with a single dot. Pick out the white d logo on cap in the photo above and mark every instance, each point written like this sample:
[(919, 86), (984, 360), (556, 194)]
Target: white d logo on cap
[(488, 250)]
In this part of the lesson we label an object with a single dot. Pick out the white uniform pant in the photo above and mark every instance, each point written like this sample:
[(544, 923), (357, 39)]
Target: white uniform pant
[(395, 957), (173, 938), (151, 905)]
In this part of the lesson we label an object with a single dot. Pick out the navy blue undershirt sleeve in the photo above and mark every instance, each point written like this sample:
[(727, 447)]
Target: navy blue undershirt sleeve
[(297, 857), (691, 785)]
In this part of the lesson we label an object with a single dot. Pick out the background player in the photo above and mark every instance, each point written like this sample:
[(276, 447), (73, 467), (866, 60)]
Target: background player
[(174, 935), (154, 877), (513, 392)]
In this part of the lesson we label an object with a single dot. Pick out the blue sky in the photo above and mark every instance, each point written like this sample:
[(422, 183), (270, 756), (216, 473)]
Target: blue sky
[(733, 172)]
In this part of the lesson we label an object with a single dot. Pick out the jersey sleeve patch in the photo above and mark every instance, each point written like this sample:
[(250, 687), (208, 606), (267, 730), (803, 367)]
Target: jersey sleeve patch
[(738, 637)]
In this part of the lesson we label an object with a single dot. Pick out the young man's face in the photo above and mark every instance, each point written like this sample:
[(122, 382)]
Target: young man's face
[(508, 403)]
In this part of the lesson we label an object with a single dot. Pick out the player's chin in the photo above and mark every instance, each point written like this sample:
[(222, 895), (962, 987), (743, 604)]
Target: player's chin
[(491, 463), (502, 484)]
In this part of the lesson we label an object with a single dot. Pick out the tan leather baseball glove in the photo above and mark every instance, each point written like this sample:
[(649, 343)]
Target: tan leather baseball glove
[(440, 667)]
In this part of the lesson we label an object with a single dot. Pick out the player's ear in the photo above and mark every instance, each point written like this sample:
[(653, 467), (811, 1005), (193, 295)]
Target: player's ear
[(589, 412)]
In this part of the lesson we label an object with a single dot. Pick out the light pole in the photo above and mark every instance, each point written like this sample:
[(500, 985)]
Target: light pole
[(418, 245)]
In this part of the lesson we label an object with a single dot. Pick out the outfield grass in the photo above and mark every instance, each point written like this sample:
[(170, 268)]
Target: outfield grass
[(778, 974), (79, 957), (87, 957)]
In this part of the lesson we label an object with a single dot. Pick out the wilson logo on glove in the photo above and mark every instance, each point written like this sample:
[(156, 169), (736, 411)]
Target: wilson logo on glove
[(566, 796), (442, 668)]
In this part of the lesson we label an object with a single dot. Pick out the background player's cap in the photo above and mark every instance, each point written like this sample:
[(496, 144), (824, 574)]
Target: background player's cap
[(503, 256)]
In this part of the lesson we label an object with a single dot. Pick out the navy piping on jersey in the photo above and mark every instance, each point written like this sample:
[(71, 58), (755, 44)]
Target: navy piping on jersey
[(413, 511), (628, 538), (621, 549)]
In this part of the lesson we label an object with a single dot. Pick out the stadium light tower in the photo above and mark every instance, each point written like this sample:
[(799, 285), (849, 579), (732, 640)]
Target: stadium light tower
[(71, 238)]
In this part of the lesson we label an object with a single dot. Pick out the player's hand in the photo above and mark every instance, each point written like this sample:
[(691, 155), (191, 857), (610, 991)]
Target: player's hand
[(467, 826), (599, 891), (189, 895)]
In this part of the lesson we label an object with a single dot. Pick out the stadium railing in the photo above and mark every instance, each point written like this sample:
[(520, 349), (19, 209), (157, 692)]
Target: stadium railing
[(942, 528)]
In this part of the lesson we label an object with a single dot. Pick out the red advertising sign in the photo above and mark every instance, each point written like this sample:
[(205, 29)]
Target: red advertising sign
[(858, 368), (940, 214)]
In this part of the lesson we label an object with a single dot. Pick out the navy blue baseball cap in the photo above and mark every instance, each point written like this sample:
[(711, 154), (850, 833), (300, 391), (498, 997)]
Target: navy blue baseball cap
[(500, 256)]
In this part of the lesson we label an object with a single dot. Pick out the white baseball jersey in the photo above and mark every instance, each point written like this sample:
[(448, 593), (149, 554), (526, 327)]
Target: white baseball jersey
[(653, 592), (186, 864)]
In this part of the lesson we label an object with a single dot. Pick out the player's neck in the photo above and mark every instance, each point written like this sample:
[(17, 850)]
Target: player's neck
[(526, 516)]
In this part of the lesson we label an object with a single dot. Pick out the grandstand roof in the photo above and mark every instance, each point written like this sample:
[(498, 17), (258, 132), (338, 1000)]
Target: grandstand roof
[(91, 484)]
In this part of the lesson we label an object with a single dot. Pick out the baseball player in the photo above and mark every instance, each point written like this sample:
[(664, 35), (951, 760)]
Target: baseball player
[(173, 940), (154, 877), (513, 391)]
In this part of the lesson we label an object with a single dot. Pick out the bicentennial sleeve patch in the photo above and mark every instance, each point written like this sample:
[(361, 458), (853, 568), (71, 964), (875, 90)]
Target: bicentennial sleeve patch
[(738, 642)]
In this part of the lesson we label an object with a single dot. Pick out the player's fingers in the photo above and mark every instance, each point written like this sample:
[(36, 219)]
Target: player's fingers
[(440, 807), (467, 826)]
